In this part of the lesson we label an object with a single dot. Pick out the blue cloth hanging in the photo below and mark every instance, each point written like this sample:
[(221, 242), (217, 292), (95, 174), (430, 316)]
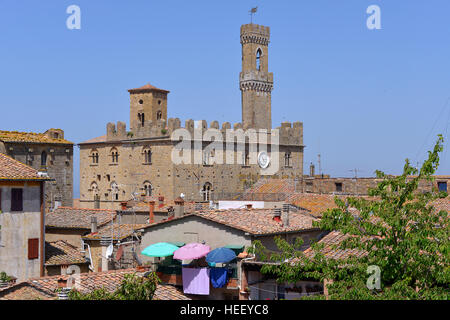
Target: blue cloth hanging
[(219, 277)]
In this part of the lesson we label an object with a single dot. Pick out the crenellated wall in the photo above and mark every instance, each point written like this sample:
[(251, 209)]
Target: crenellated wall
[(289, 133)]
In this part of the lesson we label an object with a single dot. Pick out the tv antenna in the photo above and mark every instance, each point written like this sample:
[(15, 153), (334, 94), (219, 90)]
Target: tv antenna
[(252, 12)]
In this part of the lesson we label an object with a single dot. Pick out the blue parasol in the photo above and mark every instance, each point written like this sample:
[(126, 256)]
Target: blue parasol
[(220, 255)]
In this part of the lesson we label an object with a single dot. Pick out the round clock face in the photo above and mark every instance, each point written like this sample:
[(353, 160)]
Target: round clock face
[(263, 159)]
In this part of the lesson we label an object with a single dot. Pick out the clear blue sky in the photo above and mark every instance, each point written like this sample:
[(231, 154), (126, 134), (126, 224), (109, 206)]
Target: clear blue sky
[(368, 98)]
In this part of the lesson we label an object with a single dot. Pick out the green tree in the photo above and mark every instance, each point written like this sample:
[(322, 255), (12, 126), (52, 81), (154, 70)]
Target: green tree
[(133, 287), (398, 230)]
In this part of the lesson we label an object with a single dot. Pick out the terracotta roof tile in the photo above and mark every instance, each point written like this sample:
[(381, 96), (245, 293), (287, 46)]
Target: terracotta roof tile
[(76, 218), (62, 253), (15, 136), (109, 280), (119, 231), (11, 169), (95, 140), (331, 241), (254, 221), (146, 88)]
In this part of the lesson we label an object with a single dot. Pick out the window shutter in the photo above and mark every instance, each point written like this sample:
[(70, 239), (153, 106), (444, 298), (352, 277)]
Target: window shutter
[(33, 249), (16, 199)]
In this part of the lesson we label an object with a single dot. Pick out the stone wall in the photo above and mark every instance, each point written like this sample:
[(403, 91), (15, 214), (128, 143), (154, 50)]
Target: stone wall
[(59, 167)]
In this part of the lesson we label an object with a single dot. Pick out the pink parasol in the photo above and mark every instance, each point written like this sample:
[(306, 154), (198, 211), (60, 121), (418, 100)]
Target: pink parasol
[(191, 251)]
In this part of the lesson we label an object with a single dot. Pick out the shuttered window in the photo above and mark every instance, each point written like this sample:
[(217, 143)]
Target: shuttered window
[(16, 199), (33, 249)]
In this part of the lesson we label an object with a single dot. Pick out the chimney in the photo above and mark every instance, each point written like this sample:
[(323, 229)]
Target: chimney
[(179, 207), (285, 216), (277, 214), (311, 170), (151, 204), (93, 224), (63, 293), (161, 201), (123, 205)]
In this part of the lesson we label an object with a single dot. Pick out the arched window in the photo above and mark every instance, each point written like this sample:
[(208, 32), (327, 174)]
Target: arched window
[(148, 188), (95, 193), (147, 155), (94, 156), (114, 155), (44, 159), (115, 190), (287, 159), (158, 115), (206, 191), (258, 59)]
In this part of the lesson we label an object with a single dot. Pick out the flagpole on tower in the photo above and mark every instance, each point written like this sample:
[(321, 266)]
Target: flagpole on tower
[(252, 12)]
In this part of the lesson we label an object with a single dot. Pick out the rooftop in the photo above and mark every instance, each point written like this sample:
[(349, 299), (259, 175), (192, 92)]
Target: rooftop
[(76, 218), (110, 280), (331, 241), (62, 253), (147, 88), (11, 169), (30, 137), (253, 221), (119, 231)]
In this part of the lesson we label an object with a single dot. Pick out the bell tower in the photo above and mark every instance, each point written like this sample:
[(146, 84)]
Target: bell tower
[(255, 80)]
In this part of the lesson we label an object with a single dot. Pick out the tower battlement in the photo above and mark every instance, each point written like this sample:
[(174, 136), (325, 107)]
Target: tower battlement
[(289, 133), (255, 33)]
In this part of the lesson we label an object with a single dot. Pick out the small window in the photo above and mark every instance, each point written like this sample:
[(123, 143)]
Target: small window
[(147, 188), (44, 158), (159, 101), (94, 155), (114, 155), (338, 186), (117, 196), (287, 159), (442, 186), (147, 156), (158, 115), (108, 177), (141, 101), (258, 59), (33, 249), (16, 199)]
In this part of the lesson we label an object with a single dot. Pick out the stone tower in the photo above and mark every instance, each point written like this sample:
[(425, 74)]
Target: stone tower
[(255, 80), (147, 103)]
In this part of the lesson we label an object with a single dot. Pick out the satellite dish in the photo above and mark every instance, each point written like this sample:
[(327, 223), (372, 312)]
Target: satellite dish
[(109, 251)]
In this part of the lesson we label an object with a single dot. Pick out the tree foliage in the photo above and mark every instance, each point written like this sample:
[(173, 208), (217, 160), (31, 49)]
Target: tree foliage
[(133, 287), (396, 229)]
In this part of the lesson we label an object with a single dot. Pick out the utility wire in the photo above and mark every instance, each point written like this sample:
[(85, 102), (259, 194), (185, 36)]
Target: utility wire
[(432, 128)]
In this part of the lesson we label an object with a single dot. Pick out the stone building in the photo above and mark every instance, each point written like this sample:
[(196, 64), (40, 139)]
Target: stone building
[(46, 152), (139, 160)]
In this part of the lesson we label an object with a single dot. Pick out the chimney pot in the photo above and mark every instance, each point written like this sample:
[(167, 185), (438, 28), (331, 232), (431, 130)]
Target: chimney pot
[(277, 214), (179, 207), (93, 224)]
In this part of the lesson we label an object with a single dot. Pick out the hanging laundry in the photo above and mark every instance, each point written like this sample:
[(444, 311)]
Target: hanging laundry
[(195, 281), (219, 277)]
